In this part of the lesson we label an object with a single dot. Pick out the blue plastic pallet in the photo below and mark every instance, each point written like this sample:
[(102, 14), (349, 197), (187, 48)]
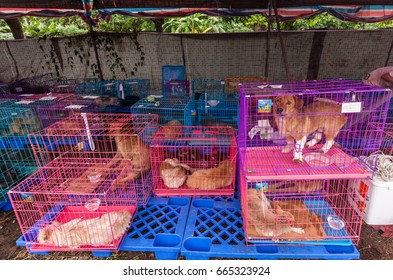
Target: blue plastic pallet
[(5, 206), (159, 228), (215, 230)]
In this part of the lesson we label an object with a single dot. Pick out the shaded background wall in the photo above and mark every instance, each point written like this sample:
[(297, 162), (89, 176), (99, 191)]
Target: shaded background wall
[(311, 55)]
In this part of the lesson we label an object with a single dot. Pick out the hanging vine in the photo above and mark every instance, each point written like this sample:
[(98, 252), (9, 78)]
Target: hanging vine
[(75, 52)]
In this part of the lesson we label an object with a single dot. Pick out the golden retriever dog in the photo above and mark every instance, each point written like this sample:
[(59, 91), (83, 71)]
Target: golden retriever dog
[(213, 178), (296, 122)]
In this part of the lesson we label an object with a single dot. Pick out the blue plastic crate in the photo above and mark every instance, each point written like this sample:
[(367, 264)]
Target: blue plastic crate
[(159, 228), (215, 230), (5, 205)]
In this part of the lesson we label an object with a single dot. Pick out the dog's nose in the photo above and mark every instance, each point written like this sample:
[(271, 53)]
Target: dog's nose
[(279, 111)]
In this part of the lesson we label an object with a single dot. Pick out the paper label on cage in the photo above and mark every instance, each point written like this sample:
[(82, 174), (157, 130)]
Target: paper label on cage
[(25, 102), (265, 106), (75, 106), (223, 82), (264, 186), (47, 98), (19, 89), (91, 97), (351, 107), (26, 95)]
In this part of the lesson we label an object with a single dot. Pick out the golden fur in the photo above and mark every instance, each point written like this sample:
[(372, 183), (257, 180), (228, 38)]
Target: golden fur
[(172, 129), (213, 178), (297, 122)]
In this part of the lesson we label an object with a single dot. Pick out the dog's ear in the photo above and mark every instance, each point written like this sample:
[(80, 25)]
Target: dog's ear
[(299, 102)]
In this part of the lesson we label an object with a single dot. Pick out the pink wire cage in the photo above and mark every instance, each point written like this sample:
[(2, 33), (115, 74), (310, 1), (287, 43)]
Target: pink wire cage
[(76, 206), (57, 111), (192, 161), (123, 139), (317, 212)]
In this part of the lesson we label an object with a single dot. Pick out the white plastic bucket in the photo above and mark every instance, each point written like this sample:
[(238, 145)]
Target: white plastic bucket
[(379, 207)]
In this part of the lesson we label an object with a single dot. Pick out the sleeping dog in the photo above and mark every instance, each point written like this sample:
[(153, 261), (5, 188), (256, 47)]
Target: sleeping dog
[(296, 122)]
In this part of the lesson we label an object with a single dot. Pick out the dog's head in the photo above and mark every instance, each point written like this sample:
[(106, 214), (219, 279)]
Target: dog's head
[(287, 105)]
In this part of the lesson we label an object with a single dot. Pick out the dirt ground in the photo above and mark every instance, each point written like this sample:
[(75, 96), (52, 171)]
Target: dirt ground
[(372, 246)]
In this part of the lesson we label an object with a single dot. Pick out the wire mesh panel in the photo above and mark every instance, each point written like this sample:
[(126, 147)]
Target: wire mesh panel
[(168, 110), (97, 88), (177, 89), (217, 112), (45, 97), (210, 86), (4, 88), (52, 113), (193, 160), (320, 212), (134, 87), (125, 138), (387, 141), (34, 84), (16, 157), (68, 85), (310, 128), (67, 207), (233, 83)]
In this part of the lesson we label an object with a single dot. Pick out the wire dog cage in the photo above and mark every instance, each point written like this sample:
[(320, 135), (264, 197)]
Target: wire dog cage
[(59, 208), (310, 128), (307, 212), (194, 161)]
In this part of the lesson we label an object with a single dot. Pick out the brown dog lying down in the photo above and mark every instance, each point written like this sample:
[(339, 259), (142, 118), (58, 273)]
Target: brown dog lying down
[(296, 186), (286, 219), (297, 122), (173, 173), (213, 178)]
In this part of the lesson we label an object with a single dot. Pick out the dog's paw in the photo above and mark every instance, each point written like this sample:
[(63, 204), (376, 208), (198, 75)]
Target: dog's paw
[(298, 160), (287, 149)]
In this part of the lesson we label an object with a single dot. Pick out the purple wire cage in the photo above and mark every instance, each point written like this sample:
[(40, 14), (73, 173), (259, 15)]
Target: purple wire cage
[(52, 113), (318, 129)]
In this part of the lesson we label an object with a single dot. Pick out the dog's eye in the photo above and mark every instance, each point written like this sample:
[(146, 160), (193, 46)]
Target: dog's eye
[(289, 102)]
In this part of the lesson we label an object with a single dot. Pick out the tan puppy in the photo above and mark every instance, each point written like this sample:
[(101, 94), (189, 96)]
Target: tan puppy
[(130, 147), (297, 122), (213, 178)]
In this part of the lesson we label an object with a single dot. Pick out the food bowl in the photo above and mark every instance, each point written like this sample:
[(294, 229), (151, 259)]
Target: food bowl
[(335, 222), (317, 160), (94, 177), (213, 103), (93, 204), (341, 160)]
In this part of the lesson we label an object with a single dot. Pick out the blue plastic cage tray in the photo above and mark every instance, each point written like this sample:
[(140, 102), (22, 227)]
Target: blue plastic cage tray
[(215, 230), (159, 228)]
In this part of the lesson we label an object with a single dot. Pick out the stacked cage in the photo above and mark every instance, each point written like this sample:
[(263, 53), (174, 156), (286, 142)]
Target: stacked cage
[(194, 161), (16, 158), (55, 112), (134, 87), (176, 89), (215, 88), (233, 83), (104, 94), (212, 112), (95, 170), (170, 111), (35, 84), (301, 159), (68, 85)]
